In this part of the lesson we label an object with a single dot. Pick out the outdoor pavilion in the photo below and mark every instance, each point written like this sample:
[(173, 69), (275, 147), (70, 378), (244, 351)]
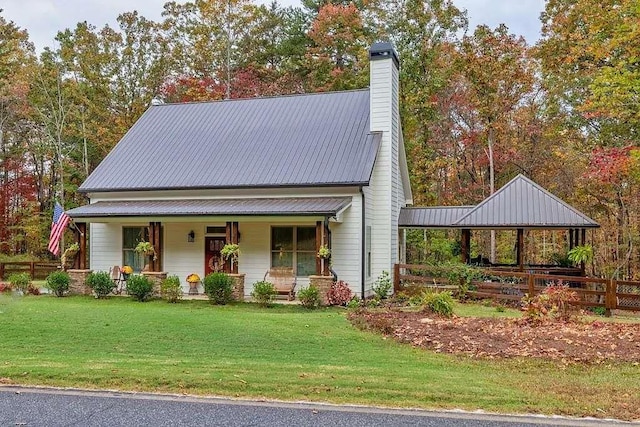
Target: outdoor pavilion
[(519, 205)]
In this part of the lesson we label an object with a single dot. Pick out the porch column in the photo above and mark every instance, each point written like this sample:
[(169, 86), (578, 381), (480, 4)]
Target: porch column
[(80, 262), (322, 238), (520, 249), (465, 245), (154, 239), (232, 237)]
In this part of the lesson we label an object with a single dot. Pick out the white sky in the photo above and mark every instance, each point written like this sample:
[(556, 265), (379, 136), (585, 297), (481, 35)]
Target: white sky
[(44, 18)]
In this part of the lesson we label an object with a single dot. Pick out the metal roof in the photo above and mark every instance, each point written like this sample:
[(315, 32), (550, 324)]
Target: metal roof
[(431, 217), (522, 203), (301, 140), (282, 206)]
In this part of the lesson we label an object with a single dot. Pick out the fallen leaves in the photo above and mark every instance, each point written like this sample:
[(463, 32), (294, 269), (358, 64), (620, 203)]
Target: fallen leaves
[(567, 342)]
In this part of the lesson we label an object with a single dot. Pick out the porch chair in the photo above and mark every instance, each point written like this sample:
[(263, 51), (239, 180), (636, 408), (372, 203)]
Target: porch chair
[(284, 280), (118, 278)]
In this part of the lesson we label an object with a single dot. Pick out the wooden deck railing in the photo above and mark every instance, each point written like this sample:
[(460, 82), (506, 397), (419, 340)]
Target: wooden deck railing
[(36, 269), (510, 285)]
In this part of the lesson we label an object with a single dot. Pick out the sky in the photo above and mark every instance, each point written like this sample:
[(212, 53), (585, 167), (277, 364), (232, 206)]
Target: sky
[(44, 18)]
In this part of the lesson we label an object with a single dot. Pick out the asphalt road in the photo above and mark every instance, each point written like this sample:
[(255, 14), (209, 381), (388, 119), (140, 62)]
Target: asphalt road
[(53, 407)]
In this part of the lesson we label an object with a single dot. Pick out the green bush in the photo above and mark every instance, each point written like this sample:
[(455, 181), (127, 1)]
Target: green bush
[(439, 303), (309, 297), (383, 285), (140, 287), (218, 287), (101, 283), (58, 282), (171, 289), (264, 293), (20, 281)]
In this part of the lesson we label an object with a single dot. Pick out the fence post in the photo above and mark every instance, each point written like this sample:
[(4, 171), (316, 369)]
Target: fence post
[(610, 300), (532, 284), (32, 270), (1, 270), (396, 278)]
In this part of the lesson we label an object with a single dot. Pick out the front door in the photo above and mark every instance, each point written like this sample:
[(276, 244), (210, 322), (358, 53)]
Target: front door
[(213, 261)]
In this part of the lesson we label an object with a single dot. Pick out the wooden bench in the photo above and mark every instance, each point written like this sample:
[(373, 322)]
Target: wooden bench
[(284, 280)]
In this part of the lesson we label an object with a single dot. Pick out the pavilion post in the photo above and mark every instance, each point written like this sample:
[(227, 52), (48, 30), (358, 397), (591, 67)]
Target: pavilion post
[(520, 249), (465, 248)]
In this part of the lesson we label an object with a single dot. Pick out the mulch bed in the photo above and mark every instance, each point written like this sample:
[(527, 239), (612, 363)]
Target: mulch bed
[(491, 338)]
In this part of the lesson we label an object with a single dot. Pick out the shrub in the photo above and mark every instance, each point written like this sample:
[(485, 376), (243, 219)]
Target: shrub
[(170, 289), (354, 302), (309, 297), (218, 287), (339, 293), (140, 287), (383, 285), (263, 292), (554, 303), (440, 303), (33, 289), (5, 287), (101, 283), (462, 276), (58, 282), (20, 281)]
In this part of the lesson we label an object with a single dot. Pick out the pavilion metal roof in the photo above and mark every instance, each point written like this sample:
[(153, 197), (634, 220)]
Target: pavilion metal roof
[(300, 140), (431, 217), (521, 203), (301, 206)]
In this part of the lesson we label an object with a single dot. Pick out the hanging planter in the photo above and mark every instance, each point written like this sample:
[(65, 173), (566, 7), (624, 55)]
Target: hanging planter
[(146, 248)]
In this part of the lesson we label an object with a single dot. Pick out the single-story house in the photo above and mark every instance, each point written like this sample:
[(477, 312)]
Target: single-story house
[(279, 176)]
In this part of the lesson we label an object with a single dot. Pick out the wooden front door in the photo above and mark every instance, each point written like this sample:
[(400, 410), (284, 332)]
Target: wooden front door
[(213, 261)]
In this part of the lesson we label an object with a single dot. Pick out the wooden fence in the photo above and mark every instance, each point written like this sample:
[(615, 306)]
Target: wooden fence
[(513, 286), (37, 270)]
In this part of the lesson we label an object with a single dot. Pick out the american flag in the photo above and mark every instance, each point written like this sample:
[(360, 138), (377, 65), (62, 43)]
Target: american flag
[(59, 224)]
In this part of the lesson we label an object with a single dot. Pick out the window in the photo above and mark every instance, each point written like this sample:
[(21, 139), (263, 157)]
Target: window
[(294, 247), (216, 230), (131, 236)]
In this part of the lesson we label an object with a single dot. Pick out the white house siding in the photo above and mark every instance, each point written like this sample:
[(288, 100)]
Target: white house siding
[(346, 245), (105, 246), (182, 258)]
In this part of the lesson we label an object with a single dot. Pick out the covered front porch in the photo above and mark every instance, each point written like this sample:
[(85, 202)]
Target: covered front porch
[(188, 236)]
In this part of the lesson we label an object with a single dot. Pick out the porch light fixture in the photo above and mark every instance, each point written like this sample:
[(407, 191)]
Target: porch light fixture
[(191, 237)]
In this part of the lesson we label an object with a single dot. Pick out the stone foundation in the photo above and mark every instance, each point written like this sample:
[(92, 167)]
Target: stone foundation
[(78, 282), (323, 283), (156, 277), (238, 286)]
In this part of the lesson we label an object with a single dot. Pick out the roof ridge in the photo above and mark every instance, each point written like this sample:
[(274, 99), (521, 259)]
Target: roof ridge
[(257, 98)]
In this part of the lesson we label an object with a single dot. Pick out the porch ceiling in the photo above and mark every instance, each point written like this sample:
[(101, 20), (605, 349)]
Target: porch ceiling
[(303, 206)]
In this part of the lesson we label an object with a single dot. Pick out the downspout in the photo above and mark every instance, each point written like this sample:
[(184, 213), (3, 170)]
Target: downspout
[(362, 245)]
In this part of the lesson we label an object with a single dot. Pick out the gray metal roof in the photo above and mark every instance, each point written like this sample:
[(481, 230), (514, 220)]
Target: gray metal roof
[(431, 217), (285, 206), (522, 203), (301, 140)]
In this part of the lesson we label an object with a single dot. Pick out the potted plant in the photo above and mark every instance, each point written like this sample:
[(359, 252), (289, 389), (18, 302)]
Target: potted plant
[(193, 279), (146, 248), (69, 253), (126, 271), (324, 253), (230, 251)]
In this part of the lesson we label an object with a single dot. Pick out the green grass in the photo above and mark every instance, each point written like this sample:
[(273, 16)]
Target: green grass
[(286, 353)]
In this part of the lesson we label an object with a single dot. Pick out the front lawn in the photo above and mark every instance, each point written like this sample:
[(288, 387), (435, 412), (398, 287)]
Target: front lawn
[(285, 353)]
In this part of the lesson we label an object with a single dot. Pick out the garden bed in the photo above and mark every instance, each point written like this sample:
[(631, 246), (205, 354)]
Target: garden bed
[(568, 342)]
